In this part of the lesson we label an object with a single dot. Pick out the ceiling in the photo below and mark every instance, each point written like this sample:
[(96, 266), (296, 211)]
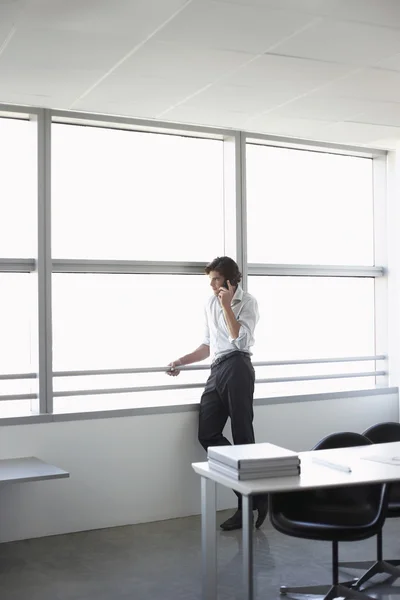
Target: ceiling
[(315, 69)]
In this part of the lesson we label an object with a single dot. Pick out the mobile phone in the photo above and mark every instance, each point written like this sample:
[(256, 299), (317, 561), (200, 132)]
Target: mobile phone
[(225, 285)]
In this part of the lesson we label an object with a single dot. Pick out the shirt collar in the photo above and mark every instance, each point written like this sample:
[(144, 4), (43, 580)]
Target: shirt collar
[(238, 295)]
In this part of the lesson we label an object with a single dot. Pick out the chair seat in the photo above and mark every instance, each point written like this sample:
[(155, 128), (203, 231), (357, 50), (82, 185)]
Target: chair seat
[(328, 514), (348, 523)]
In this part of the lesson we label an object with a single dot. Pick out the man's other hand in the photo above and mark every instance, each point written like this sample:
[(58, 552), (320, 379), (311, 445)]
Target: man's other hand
[(173, 368)]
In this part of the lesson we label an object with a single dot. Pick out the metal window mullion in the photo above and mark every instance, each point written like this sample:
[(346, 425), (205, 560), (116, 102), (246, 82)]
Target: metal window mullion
[(381, 329), (44, 265), (234, 201), (242, 212)]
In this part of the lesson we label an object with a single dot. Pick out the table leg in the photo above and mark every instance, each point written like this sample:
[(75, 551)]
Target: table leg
[(208, 539), (247, 515)]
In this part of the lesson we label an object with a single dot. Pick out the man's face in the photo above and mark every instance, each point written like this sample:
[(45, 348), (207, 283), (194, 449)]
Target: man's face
[(216, 281)]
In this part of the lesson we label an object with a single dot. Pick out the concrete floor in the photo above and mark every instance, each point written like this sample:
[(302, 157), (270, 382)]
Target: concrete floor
[(161, 561)]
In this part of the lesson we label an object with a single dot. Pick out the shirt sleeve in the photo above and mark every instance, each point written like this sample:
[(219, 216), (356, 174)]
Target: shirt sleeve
[(248, 318), (206, 336)]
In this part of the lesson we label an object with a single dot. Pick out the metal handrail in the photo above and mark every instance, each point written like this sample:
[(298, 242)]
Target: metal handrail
[(125, 371), (158, 388)]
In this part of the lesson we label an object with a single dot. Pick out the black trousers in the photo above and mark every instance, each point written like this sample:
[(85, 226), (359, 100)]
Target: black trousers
[(229, 393)]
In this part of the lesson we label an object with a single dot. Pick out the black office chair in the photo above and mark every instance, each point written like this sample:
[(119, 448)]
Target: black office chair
[(379, 434), (345, 514)]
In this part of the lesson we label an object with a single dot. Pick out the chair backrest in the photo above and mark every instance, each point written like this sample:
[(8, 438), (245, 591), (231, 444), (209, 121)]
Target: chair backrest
[(383, 432), (350, 494), (362, 507), (380, 434), (342, 439)]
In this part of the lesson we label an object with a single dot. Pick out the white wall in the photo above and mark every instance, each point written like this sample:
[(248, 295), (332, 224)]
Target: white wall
[(136, 469)]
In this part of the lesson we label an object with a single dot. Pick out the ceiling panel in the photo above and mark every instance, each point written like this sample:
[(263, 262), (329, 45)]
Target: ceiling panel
[(356, 133), (377, 12), (375, 85), (10, 10), (380, 113), (338, 41), (252, 29), (138, 97), (304, 128), (237, 99), (175, 62), (315, 106), (58, 50), (391, 63), (287, 74), (286, 67), (62, 87), (138, 17), (207, 116)]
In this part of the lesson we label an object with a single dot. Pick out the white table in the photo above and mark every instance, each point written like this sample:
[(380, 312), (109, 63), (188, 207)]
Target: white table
[(313, 476)]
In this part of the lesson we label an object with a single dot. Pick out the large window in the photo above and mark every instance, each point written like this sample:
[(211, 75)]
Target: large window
[(307, 212), (127, 196), (309, 207), (106, 226), (18, 188), (313, 318), (121, 321), (131, 195)]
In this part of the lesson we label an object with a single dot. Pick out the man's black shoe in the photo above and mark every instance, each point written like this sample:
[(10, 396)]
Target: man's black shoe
[(262, 509), (234, 522)]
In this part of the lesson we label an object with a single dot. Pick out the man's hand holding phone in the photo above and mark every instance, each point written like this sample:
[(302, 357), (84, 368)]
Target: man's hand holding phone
[(225, 294)]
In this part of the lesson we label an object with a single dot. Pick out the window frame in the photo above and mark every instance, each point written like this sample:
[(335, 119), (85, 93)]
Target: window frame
[(235, 236)]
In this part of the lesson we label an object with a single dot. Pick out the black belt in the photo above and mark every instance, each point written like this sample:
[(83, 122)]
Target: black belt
[(221, 359)]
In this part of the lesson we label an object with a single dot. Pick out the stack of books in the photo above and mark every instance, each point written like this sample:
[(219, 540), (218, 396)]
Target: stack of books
[(253, 461)]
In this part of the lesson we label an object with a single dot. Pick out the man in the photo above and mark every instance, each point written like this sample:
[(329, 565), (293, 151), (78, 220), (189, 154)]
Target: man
[(231, 316)]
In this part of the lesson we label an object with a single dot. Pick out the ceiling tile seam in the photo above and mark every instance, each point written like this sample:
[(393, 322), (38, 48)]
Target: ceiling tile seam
[(316, 89), (351, 118), (325, 17), (377, 65), (368, 123), (235, 70), (131, 53), (7, 40)]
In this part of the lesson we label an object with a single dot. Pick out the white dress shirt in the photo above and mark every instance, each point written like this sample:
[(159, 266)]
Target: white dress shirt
[(217, 336)]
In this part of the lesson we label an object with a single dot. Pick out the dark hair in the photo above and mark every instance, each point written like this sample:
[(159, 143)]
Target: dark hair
[(226, 267)]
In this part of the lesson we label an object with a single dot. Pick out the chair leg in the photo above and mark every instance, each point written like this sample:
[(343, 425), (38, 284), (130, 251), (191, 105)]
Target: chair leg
[(394, 563), (380, 566), (329, 592), (334, 590), (356, 564), (344, 592), (376, 569), (367, 564)]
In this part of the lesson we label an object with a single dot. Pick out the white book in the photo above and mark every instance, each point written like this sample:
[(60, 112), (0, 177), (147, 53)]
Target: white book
[(255, 468), (248, 475), (248, 456)]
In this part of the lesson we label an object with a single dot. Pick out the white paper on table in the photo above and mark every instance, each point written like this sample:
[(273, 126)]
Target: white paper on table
[(387, 460)]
